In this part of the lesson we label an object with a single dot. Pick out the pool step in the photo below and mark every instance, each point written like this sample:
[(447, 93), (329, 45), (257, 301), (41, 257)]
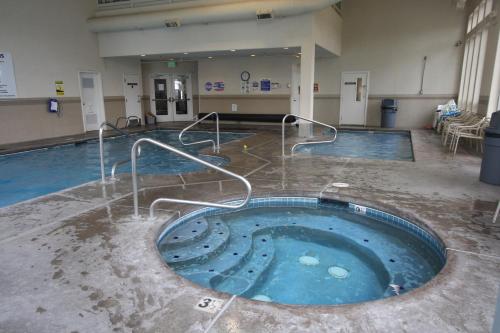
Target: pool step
[(201, 250), (237, 252), (185, 234), (248, 274)]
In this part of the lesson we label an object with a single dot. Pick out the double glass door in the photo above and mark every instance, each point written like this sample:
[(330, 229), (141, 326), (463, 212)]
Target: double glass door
[(171, 97)]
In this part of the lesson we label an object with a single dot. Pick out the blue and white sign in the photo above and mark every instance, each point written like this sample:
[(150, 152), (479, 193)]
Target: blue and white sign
[(208, 86), (265, 85), (7, 78)]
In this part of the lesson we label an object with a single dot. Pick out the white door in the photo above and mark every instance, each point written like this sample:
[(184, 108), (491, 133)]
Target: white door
[(171, 97), (133, 93), (92, 100), (354, 98), (295, 90)]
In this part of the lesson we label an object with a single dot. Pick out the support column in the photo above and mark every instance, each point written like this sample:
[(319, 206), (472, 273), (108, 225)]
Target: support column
[(307, 63), (495, 82)]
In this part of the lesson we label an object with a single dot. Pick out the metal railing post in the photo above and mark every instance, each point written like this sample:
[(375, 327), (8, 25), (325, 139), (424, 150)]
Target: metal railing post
[(216, 145), (133, 157), (101, 145), (133, 160), (303, 143)]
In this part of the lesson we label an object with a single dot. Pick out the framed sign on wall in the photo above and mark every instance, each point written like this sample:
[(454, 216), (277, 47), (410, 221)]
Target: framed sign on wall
[(7, 77)]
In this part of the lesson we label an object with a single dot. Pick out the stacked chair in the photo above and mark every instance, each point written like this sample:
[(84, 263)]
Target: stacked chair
[(467, 125)]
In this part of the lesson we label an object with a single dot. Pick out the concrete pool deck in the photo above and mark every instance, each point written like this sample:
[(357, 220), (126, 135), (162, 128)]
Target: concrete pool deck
[(76, 260)]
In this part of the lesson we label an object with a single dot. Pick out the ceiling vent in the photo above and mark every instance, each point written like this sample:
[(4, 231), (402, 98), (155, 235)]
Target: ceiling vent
[(172, 23), (264, 15)]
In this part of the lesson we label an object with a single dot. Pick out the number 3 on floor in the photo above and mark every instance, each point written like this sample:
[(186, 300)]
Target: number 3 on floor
[(209, 304)]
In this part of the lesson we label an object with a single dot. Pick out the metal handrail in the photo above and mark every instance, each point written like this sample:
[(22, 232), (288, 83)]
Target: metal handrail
[(117, 164), (127, 123), (162, 145), (216, 145), (101, 145), (303, 143)]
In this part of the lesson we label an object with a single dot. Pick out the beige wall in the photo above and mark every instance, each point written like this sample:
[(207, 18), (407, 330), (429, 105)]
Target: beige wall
[(47, 46), (27, 119), (391, 47), (228, 70)]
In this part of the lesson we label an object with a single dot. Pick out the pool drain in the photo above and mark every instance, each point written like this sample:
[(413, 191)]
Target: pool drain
[(308, 261), (338, 272)]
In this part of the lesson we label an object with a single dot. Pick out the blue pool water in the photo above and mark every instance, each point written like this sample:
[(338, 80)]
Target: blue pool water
[(314, 253), (378, 145), (31, 174)]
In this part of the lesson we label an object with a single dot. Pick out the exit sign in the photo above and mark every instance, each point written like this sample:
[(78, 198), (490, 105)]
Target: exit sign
[(171, 64)]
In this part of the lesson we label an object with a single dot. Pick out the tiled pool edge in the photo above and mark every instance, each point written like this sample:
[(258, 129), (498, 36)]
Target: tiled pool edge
[(430, 239)]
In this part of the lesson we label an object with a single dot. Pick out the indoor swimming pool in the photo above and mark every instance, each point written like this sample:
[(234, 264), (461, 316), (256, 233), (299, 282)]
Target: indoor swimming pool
[(306, 251), (377, 145), (34, 173)]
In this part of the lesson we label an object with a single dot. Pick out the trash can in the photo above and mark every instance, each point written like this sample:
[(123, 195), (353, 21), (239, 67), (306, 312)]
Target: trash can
[(389, 108), (490, 166), (150, 120)]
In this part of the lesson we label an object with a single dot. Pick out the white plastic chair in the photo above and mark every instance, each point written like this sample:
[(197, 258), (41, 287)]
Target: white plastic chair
[(473, 132)]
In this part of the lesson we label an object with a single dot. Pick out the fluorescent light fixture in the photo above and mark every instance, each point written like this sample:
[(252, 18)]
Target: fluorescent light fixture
[(210, 57), (252, 55), (300, 53), (285, 48), (233, 50), (186, 53), (143, 55)]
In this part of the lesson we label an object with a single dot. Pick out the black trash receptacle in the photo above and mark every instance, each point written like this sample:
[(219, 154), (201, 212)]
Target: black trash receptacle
[(490, 166), (389, 108)]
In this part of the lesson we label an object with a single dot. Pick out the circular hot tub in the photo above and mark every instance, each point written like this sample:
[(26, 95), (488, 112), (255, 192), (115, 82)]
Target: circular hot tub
[(307, 251)]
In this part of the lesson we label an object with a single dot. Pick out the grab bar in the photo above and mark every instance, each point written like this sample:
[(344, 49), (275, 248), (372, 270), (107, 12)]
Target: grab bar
[(127, 123), (117, 164), (101, 145), (133, 157), (302, 143), (216, 146)]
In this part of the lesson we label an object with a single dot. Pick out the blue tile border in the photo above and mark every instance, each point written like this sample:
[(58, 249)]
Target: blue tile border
[(305, 202)]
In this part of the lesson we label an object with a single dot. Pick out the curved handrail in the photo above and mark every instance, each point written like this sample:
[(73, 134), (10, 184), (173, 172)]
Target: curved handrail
[(303, 143), (127, 120), (162, 145), (216, 145), (117, 122), (101, 145), (117, 164)]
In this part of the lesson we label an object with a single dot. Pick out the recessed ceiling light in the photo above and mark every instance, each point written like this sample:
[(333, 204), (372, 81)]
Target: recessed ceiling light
[(297, 56), (285, 48), (186, 52), (171, 59), (143, 55), (210, 57), (233, 50), (252, 55)]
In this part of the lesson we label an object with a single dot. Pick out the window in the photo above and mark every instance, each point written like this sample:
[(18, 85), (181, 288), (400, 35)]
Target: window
[(474, 56)]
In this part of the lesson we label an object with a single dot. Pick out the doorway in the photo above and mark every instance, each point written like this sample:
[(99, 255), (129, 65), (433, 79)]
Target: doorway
[(354, 98), (172, 97), (92, 100), (133, 93)]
